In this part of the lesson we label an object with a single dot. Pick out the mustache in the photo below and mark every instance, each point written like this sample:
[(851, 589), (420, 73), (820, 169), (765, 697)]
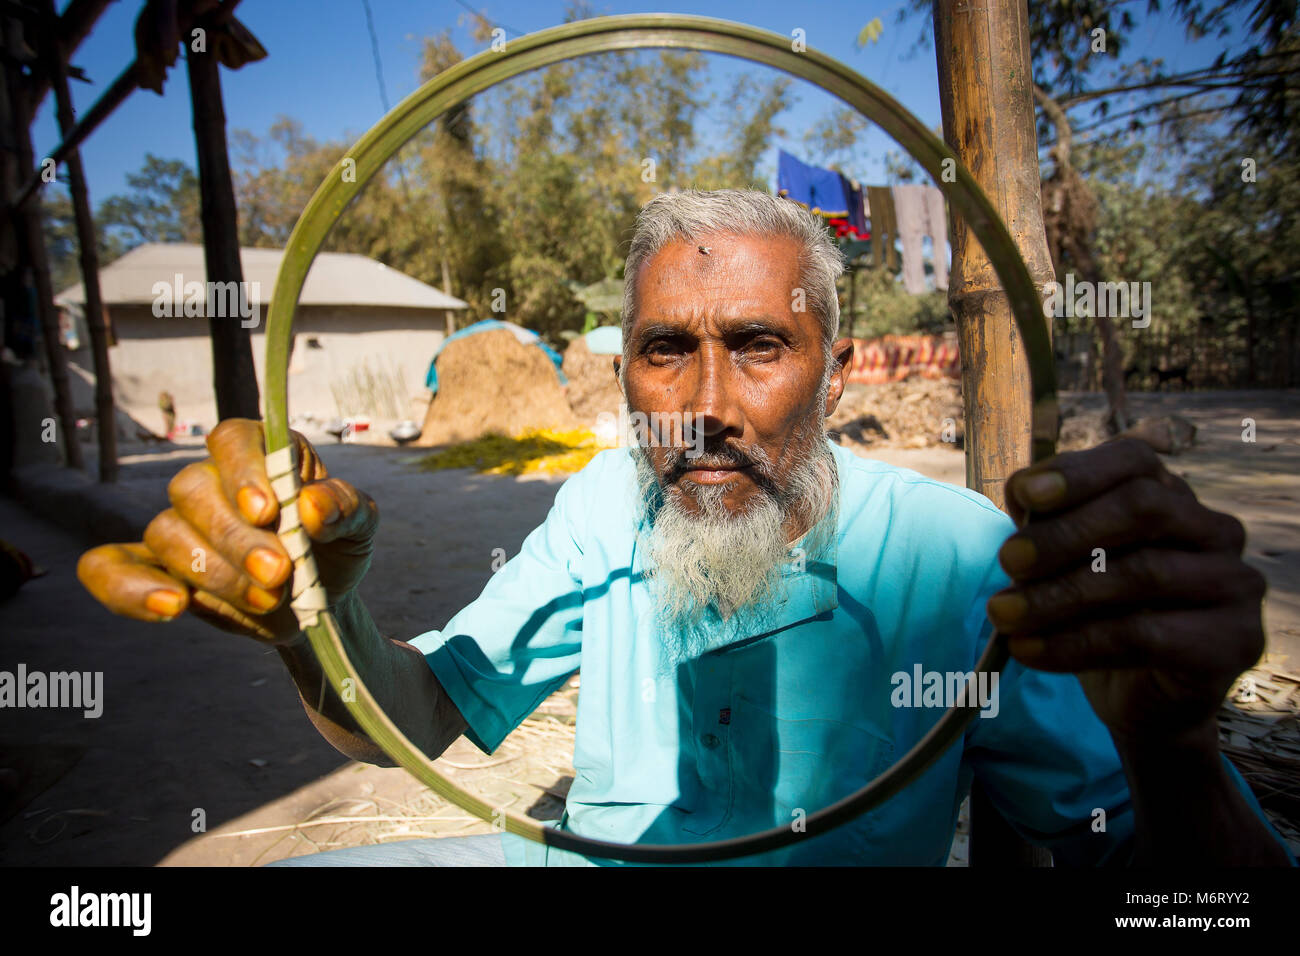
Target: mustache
[(722, 454)]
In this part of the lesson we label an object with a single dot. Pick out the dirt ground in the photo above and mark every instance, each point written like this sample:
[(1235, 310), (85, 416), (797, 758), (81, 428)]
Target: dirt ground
[(202, 726)]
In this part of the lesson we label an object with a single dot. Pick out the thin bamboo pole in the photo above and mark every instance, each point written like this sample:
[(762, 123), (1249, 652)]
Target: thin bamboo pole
[(988, 119), (106, 419), (233, 374), (31, 233)]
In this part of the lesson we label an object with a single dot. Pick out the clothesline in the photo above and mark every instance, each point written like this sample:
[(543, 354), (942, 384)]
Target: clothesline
[(882, 214)]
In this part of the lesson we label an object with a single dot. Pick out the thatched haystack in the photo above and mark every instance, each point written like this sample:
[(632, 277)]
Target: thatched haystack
[(490, 383), (592, 387)]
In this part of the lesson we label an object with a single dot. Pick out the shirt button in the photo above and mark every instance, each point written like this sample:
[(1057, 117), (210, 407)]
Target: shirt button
[(710, 741)]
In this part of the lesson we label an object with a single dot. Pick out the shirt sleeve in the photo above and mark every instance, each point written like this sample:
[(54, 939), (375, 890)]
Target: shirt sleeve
[(521, 639)]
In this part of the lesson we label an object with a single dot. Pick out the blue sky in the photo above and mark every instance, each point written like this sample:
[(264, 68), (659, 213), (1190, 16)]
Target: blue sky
[(321, 69)]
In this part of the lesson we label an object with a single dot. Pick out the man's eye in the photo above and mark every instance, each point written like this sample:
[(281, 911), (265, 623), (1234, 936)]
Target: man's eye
[(762, 346)]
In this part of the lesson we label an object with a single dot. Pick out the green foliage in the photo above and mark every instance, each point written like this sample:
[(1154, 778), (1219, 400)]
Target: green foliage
[(60, 239), (61, 245), (531, 189), (1176, 206), (831, 140), (521, 195), (161, 206), (1222, 254), (884, 307)]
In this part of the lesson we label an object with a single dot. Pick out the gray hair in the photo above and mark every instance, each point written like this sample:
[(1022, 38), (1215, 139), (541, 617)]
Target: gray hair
[(692, 214)]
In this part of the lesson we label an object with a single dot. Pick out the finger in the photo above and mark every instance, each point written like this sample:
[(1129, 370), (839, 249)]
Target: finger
[(1074, 477), (197, 497), (238, 451), (1147, 578), (191, 557), (238, 448), (128, 580), (275, 626), (1141, 511), (1175, 483), (1215, 641), (333, 510)]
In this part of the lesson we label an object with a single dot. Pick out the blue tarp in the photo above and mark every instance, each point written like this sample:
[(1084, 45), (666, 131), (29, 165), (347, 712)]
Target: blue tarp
[(525, 336)]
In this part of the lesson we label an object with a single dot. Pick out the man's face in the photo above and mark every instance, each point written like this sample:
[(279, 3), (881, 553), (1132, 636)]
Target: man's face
[(725, 340)]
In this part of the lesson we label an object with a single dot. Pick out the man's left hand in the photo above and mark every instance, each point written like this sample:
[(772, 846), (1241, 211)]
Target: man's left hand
[(1125, 579)]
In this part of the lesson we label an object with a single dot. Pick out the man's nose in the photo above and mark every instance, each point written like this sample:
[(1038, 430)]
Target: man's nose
[(713, 410)]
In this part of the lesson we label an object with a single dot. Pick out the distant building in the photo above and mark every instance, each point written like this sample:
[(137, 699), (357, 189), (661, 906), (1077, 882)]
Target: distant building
[(364, 334)]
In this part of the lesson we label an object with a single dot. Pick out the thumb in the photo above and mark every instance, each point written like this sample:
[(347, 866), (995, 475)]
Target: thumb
[(333, 510)]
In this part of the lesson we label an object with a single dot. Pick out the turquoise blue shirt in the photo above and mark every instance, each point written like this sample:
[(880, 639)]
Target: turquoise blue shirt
[(799, 714)]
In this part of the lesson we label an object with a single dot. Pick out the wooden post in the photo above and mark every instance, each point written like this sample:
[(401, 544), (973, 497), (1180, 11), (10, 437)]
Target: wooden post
[(985, 91), (106, 419), (28, 228), (233, 374)]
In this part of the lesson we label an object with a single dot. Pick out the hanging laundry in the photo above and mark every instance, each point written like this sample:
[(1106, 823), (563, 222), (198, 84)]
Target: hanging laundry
[(821, 190), (909, 206), (934, 206), (920, 213), (884, 226), (857, 219)]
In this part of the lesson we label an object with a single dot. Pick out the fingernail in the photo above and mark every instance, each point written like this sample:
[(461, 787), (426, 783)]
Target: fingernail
[(1007, 610), (259, 599), (329, 513), (251, 502), (1018, 556), (166, 604), (266, 566), (1045, 489)]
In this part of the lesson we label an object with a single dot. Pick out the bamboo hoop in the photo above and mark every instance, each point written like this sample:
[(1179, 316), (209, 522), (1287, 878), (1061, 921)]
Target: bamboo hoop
[(453, 87)]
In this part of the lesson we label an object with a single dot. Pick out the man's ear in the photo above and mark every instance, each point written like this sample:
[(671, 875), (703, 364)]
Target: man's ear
[(618, 364), (842, 356)]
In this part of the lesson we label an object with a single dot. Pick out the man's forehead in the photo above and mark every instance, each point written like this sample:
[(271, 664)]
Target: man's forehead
[(715, 252), (724, 276)]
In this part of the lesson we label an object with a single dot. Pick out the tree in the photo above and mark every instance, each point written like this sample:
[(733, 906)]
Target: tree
[(531, 187), (1239, 101), (61, 239), (161, 206)]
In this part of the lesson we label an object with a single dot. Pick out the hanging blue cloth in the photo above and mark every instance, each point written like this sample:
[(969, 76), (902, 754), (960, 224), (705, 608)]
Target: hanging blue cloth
[(821, 190), (857, 217), (525, 336)]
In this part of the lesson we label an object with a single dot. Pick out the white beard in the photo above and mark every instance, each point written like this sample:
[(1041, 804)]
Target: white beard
[(716, 575)]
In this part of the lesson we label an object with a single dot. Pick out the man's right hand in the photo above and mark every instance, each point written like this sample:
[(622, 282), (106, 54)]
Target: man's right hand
[(215, 551)]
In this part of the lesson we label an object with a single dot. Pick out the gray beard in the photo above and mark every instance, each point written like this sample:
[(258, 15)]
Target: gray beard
[(716, 576)]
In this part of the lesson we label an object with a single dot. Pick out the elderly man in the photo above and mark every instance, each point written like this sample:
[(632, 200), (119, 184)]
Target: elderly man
[(764, 621)]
